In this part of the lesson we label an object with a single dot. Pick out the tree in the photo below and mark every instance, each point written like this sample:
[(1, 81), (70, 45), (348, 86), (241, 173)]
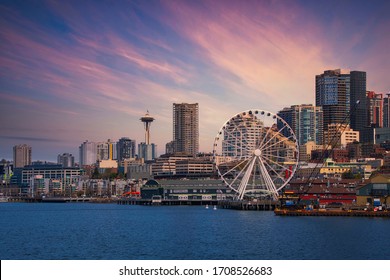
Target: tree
[(96, 174), (348, 175)]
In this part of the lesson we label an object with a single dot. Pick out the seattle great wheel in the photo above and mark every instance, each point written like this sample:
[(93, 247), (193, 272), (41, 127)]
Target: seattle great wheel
[(256, 154)]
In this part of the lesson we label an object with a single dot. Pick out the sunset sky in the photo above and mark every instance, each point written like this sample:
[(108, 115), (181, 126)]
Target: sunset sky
[(88, 70)]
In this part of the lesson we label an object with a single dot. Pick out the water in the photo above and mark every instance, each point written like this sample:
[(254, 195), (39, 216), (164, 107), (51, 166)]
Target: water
[(109, 231)]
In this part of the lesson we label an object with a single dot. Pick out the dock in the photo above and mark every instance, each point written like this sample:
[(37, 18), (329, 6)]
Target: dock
[(333, 213), (50, 199), (140, 201), (259, 205)]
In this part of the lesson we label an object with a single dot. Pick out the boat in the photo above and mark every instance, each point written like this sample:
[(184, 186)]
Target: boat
[(207, 206), (3, 199), (156, 199), (215, 207)]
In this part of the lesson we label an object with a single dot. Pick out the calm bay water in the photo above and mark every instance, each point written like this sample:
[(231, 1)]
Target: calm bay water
[(77, 231)]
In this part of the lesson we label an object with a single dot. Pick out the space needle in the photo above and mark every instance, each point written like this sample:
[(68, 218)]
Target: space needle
[(147, 120)]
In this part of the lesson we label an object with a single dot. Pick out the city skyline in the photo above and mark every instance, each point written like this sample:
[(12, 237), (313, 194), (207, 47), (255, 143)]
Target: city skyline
[(76, 71)]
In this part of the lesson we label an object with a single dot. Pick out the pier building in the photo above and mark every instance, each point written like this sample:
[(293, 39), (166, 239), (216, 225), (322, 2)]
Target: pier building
[(375, 192), (187, 190)]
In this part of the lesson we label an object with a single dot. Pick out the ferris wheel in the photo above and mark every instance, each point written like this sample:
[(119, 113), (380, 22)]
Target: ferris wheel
[(256, 154)]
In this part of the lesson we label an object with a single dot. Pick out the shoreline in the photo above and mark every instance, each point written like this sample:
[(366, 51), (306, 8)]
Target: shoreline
[(348, 213)]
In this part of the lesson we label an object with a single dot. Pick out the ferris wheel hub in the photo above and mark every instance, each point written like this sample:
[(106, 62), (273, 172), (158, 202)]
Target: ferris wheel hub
[(257, 152)]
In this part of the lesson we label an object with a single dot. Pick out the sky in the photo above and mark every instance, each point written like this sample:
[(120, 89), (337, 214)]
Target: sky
[(72, 70)]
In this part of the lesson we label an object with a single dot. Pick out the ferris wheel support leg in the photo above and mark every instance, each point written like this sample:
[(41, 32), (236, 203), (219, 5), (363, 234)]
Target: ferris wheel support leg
[(268, 181), (245, 179)]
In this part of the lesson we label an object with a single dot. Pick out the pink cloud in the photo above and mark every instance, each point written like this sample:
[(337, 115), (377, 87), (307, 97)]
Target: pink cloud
[(268, 51)]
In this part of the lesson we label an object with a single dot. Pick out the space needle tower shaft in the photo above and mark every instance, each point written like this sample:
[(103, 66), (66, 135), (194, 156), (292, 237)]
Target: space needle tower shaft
[(147, 120)]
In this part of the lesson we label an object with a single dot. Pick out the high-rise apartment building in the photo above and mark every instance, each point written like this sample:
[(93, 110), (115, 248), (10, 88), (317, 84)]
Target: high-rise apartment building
[(66, 160), (125, 149), (186, 128), (22, 155), (106, 150), (375, 109), (386, 111), (306, 121), (359, 118), (147, 151), (333, 95), (342, 96), (170, 148), (88, 153)]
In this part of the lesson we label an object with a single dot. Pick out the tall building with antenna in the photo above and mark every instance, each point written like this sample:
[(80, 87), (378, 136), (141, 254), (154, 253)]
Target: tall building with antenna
[(147, 150)]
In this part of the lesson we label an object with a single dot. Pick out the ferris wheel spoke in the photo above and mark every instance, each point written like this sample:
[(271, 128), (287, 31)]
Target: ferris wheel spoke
[(265, 136), (276, 163), (275, 135), (238, 140), (255, 169), (227, 172), (236, 146), (226, 131), (267, 178), (260, 176), (276, 172), (275, 149), (271, 155), (276, 143), (236, 127), (239, 174), (245, 179)]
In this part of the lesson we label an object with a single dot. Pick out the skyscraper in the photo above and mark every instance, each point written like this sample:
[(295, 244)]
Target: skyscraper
[(22, 155), (386, 111), (147, 151), (306, 121), (66, 160), (342, 96), (88, 153), (186, 128), (333, 95), (106, 150), (125, 148), (375, 109), (359, 117)]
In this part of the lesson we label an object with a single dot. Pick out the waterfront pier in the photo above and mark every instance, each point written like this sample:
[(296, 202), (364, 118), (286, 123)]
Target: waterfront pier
[(333, 213), (49, 199), (259, 205), (132, 201)]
